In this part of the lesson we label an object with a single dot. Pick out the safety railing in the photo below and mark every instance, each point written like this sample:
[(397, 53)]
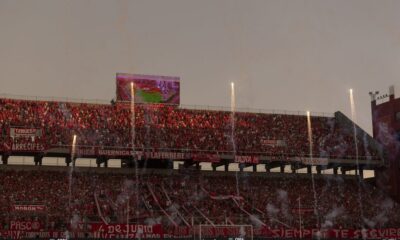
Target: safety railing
[(181, 106)]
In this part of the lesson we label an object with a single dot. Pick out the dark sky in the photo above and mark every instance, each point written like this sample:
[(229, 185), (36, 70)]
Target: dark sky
[(288, 55)]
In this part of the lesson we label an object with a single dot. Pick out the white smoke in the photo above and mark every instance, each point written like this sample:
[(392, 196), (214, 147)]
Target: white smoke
[(75, 220), (283, 199), (331, 216), (256, 221), (282, 195), (387, 204), (272, 210), (369, 223), (382, 217), (173, 209), (366, 147), (152, 221)]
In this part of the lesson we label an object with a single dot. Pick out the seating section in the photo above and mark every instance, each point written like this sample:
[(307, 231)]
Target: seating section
[(163, 127), (178, 198)]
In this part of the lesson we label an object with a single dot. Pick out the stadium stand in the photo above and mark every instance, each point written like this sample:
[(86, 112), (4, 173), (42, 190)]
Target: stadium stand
[(56, 199), (162, 127), (170, 197)]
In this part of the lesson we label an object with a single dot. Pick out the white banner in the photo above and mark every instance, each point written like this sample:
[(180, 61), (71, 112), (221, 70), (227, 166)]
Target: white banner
[(25, 132), (315, 161)]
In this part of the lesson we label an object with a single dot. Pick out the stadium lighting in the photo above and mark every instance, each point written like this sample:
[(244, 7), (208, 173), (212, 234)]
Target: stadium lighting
[(73, 146), (373, 95)]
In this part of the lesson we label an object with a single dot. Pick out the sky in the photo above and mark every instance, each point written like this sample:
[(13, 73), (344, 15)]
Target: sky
[(288, 55)]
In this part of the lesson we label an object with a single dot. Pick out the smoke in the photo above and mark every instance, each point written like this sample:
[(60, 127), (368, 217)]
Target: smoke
[(174, 213), (255, 220), (283, 199), (382, 217), (384, 135), (242, 231), (272, 210), (197, 196), (152, 221), (75, 220), (369, 223), (331, 216), (366, 147), (387, 204), (282, 195)]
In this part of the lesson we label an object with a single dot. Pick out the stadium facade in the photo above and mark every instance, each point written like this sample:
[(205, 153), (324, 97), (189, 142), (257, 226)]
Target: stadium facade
[(158, 202)]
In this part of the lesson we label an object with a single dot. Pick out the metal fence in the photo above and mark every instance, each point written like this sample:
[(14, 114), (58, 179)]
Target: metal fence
[(181, 106)]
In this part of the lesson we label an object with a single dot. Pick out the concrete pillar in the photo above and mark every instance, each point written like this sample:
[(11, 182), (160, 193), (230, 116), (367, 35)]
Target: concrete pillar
[(309, 169), (254, 168), (99, 161), (282, 168), (68, 160), (226, 166), (37, 159), (214, 167), (335, 170), (319, 170), (361, 170), (343, 171), (4, 159)]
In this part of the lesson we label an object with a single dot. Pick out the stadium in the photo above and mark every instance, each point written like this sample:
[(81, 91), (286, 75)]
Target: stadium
[(160, 189), (180, 144)]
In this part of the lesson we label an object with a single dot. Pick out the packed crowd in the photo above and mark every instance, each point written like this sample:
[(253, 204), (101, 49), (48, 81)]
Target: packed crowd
[(161, 127), (186, 199)]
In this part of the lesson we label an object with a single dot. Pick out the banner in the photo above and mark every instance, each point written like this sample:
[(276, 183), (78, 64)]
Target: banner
[(266, 232), (125, 230), (25, 132), (239, 232), (204, 157), (28, 208), (11, 234), (95, 151), (159, 232), (329, 233), (148, 88), (27, 147), (25, 226), (247, 159), (273, 143), (315, 161)]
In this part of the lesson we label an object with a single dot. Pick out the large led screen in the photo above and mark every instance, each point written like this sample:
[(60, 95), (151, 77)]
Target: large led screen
[(148, 88)]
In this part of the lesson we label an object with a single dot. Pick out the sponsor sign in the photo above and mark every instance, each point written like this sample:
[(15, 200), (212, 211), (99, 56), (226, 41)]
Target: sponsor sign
[(25, 226), (247, 159), (158, 232), (27, 147), (314, 161), (329, 233), (25, 132), (128, 152), (127, 230), (204, 157), (29, 208), (273, 143), (11, 234)]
